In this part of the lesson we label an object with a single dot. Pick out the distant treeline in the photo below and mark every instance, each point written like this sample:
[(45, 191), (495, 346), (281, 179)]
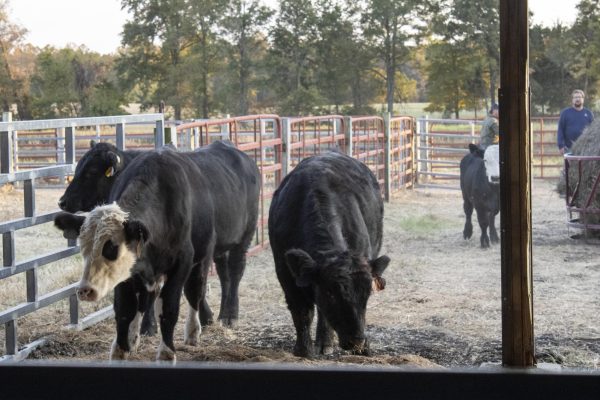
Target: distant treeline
[(206, 58)]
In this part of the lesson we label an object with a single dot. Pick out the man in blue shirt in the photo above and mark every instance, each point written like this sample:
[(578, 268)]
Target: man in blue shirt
[(572, 122)]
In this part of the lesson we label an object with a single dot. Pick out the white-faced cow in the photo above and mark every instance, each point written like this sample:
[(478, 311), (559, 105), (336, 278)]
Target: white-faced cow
[(480, 186), (325, 230), (170, 215), (94, 177)]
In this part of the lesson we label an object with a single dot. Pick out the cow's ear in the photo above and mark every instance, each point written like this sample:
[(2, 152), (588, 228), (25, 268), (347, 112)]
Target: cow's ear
[(302, 267), (377, 267), (69, 223), (473, 148), (92, 143), (135, 231)]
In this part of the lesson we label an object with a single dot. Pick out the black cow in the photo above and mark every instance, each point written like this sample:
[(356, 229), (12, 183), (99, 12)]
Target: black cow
[(325, 230), (480, 186), (94, 176), (172, 214)]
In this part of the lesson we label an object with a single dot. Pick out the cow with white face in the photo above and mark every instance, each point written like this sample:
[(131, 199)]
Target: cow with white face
[(170, 215), (480, 186)]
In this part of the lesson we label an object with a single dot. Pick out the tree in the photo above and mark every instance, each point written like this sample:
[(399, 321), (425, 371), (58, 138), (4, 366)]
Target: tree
[(586, 39), (292, 57), (552, 78), (390, 26), (158, 39), (13, 86), (74, 83), (448, 68), (474, 24), (243, 27)]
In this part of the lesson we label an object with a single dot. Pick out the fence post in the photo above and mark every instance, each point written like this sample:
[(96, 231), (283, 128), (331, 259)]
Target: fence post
[(387, 154), (225, 133), (120, 136), (159, 134), (60, 145), (286, 131), (170, 135), (6, 147), (349, 136), (70, 145)]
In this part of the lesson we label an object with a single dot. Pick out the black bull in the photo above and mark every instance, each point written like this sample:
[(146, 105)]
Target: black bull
[(216, 191), (480, 191), (325, 230)]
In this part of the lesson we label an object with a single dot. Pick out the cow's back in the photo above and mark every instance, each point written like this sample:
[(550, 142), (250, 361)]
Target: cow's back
[(233, 181), (328, 201)]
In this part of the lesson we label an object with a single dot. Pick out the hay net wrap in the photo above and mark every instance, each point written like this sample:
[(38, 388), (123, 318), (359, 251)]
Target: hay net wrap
[(588, 144)]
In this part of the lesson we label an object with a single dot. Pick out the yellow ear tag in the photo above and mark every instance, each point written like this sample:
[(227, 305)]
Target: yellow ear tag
[(109, 172)]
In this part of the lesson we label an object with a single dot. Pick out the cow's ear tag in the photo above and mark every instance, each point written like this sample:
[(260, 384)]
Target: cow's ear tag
[(378, 284), (110, 172)]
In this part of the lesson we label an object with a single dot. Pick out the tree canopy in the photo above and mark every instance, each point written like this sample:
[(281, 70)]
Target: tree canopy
[(205, 58)]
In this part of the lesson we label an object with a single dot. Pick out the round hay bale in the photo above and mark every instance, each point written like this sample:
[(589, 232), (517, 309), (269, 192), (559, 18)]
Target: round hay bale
[(588, 144)]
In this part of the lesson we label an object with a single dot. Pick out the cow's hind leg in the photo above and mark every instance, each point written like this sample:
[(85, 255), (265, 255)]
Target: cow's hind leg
[(167, 303), (195, 293), (230, 276), (468, 230), (147, 299), (492, 225), (324, 339), (482, 218)]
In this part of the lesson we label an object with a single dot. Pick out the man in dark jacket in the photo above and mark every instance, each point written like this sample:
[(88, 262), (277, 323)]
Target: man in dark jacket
[(572, 122)]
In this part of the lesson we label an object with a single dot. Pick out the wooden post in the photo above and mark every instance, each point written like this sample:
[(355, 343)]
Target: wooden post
[(515, 186)]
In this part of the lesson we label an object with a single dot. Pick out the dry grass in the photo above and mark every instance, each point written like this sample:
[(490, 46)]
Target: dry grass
[(441, 305)]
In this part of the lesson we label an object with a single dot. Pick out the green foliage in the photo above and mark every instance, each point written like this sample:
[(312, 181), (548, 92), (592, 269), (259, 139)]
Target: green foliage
[(74, 83), (206, 58)]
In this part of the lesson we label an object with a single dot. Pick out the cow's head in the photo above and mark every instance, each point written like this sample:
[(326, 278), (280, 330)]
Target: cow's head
[(110, 245), (342, 284), (491, 158), (94, 176)]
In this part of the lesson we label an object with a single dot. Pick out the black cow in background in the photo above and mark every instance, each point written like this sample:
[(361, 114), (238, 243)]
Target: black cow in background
[(480, 186), (325, 230), (94, 176)]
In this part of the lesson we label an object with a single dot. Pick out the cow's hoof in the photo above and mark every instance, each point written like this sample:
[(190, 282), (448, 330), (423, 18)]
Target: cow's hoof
[(148, 330), (303, 351), (191, 341), (230, 323), (117, 353), (323, 349), (192, 329), (165, 353)]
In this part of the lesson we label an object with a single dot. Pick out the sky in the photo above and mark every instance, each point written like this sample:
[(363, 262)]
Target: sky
[(97, 24)]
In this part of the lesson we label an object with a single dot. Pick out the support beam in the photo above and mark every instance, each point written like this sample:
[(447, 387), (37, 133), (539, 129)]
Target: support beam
[(515, 186)]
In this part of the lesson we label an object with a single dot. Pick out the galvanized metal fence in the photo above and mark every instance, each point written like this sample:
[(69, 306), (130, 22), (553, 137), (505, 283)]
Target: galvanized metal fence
[(276, 144), (9, 135), (441, 144)]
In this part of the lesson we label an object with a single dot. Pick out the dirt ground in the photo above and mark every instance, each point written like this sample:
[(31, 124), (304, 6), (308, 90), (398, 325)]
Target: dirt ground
[(441, 306)]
